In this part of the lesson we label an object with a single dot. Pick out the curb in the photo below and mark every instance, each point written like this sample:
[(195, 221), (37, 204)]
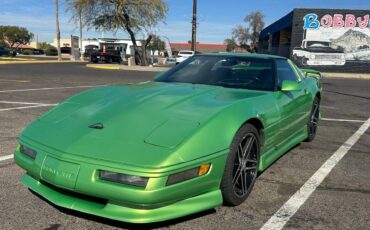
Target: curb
[(38, 62), (145, 69), (102, 67), (132, 68), (16, 59), (346, 75)]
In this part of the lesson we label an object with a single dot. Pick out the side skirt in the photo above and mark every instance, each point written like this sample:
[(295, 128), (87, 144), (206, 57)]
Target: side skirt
[(271, 155)]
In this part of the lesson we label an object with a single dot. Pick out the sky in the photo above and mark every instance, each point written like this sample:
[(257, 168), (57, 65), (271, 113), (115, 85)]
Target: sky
[(216, 18)]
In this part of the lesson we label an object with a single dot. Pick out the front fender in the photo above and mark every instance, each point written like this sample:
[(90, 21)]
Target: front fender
[(217, 133)]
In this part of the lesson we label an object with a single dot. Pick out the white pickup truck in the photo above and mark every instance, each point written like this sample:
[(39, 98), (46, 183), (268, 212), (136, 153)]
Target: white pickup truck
[(318, 53), (183, 55)]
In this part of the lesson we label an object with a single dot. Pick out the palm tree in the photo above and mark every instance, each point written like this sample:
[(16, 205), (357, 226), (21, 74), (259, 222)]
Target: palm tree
[(58, 31)]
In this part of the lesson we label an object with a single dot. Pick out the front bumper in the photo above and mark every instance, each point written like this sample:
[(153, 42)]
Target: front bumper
[(156, 202), (113, 211), (315, 62)]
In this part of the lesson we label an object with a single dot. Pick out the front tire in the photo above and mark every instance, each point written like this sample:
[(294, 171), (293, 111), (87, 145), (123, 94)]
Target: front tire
[(242, 166), (313, 120)]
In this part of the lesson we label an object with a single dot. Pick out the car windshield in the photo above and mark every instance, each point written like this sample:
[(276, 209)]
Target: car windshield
[(225, 71)]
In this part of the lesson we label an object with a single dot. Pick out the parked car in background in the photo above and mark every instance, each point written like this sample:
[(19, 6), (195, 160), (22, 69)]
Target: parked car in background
[(4, 51), (65, 50), (89, 49), (106, 56), (38, 51), (108, 53), (183, 55)]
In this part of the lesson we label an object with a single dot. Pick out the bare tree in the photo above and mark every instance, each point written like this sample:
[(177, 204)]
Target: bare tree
[(58, 30), (256, 23), (247, 36), (241, 35)]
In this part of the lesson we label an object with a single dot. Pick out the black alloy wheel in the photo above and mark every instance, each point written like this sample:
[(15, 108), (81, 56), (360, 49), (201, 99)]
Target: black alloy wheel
[(242, 166)]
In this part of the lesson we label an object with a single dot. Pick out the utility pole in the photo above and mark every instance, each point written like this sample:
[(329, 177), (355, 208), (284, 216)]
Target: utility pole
[(58, 30), (81, 54), (194, 27)]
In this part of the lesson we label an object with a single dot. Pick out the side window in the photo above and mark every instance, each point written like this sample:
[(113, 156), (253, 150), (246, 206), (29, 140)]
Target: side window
[(285, 72)]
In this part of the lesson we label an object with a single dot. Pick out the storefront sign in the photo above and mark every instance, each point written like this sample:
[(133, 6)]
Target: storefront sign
[(313, 22)]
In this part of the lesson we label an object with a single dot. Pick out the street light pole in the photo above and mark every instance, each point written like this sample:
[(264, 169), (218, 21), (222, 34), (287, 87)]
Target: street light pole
[(194, 27)]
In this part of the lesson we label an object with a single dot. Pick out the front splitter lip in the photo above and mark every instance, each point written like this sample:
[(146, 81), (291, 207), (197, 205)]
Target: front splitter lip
[(181, 208)]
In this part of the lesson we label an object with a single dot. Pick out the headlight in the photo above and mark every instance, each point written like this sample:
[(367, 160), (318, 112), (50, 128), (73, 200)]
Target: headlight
[(123, 179), (29, 152), (188, 174), (313, 56)]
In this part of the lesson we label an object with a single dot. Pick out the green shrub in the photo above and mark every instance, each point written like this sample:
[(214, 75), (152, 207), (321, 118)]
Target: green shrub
[(51, 51), (27, 52)]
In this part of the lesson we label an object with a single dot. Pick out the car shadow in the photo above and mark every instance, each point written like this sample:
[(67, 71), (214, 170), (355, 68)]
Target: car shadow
[(125, 225)]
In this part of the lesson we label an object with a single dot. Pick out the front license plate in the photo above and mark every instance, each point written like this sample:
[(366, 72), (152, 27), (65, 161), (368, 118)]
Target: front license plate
[(60, 173)]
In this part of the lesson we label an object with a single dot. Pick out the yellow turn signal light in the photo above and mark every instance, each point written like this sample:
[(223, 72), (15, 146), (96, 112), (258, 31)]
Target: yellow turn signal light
[(203, 169), (188, 174)]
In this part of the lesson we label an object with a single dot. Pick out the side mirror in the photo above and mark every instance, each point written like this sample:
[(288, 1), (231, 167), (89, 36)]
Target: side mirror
[(288, 85)]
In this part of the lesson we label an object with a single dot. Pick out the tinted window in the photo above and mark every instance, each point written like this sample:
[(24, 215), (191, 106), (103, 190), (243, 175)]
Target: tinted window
[(226, 71), (285, 72)]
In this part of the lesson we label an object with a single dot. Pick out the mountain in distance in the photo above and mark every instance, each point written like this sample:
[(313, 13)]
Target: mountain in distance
[(351, 40)]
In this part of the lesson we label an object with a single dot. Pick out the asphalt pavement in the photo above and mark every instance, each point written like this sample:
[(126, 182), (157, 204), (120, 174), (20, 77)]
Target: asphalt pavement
[(341, 201)]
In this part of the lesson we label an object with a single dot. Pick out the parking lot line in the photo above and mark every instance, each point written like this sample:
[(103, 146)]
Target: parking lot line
[(67, 87), (282, 216), (21, 102), (27, 107), (344, 120), (7, 157), (18, 81)]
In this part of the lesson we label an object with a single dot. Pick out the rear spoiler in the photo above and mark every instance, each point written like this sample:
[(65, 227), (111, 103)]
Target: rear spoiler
[(312, 73)]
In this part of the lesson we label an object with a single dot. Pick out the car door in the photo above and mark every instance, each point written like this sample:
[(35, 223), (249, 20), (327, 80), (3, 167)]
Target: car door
[(292, 105)]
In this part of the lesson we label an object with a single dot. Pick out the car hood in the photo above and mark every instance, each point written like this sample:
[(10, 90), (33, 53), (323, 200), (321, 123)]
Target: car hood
[(139, 124)]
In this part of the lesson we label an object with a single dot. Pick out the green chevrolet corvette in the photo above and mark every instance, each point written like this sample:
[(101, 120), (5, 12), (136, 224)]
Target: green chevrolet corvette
[(191, 140)]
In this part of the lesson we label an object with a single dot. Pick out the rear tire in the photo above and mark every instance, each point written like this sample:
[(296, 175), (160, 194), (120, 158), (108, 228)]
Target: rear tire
[(241, 166), (313, 120)]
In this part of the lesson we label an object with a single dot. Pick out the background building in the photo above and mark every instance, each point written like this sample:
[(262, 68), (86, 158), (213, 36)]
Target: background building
[(64, 42), (324, 39), (201, 47)]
